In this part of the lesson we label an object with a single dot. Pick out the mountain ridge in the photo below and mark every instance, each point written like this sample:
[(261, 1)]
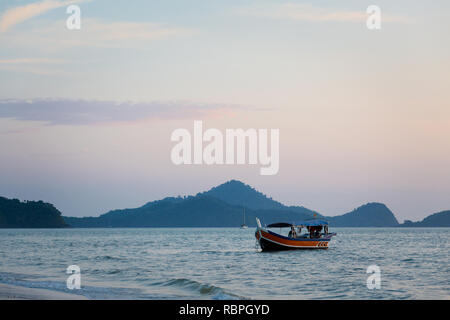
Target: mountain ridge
[(29, 214), (372, 214), (223, 205), (220, 206), (439, 218)]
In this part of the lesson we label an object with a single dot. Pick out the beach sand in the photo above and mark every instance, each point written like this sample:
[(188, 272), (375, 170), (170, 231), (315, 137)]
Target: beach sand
[(10, 292)]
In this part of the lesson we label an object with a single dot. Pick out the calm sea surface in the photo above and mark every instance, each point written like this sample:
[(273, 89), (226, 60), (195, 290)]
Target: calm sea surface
[(218, 263)]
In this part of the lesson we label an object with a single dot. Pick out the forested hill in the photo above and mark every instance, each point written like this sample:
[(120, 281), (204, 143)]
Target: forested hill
[(29, 214)]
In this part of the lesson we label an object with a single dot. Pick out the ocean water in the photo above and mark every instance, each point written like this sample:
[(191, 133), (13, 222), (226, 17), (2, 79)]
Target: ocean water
[(223, 263)]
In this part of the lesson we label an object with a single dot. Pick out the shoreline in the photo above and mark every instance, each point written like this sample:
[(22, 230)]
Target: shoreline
[(13, 292)]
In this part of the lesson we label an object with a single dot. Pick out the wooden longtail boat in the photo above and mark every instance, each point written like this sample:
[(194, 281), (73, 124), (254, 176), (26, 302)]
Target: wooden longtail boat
[(314, 239)]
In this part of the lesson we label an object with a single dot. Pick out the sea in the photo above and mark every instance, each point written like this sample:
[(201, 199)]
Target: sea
[(226, 263)]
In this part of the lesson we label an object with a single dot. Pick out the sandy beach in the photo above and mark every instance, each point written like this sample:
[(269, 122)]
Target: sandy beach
[(10, 292)]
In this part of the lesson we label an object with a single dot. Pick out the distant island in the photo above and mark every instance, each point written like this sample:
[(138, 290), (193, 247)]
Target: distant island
[(440, 219), (29, 214), (221, 206)]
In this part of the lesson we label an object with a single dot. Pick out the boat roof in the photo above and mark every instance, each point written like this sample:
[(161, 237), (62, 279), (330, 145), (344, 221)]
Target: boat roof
[(306, 223)]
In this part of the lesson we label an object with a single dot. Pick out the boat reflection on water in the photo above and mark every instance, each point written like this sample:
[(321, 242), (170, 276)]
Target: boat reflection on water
[(317, 236)]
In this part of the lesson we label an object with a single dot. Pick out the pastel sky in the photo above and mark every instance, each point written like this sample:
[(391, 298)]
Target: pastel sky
[(86, 115)]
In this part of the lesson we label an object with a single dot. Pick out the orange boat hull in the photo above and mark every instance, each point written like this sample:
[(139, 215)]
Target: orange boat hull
[(270, 241)]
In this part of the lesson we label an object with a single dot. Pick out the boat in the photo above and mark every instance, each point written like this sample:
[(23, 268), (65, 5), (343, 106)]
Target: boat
[(244, 226), (317, 236)]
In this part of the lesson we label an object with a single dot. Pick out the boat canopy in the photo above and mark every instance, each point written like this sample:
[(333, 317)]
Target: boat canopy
[(306, 223), (280, 225)]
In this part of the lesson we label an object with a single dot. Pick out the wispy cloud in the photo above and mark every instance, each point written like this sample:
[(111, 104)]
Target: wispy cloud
[(40, 66), (85, 112), (99, 33), (312, 13), (17, 15), (54, 36), (30, 61)]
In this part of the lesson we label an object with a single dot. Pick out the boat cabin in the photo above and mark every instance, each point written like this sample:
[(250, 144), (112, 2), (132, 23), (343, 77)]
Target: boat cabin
[(302, 229)]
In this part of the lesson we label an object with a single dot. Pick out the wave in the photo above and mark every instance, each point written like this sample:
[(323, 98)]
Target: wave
[(90, 292), (104, 293), (107, 258), (203, 289)]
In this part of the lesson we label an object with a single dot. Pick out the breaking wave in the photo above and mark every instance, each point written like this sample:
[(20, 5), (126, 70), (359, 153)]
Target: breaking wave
[(203, 289)]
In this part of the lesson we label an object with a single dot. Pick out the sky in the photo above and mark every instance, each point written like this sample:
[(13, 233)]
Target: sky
[(86, 115)]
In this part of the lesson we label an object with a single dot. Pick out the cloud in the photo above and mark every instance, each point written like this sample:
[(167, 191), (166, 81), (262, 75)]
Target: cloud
[(98, 33), (30, 61), (306, 12), (84, 112), (40, 66), (17, 15), (94, 33)]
